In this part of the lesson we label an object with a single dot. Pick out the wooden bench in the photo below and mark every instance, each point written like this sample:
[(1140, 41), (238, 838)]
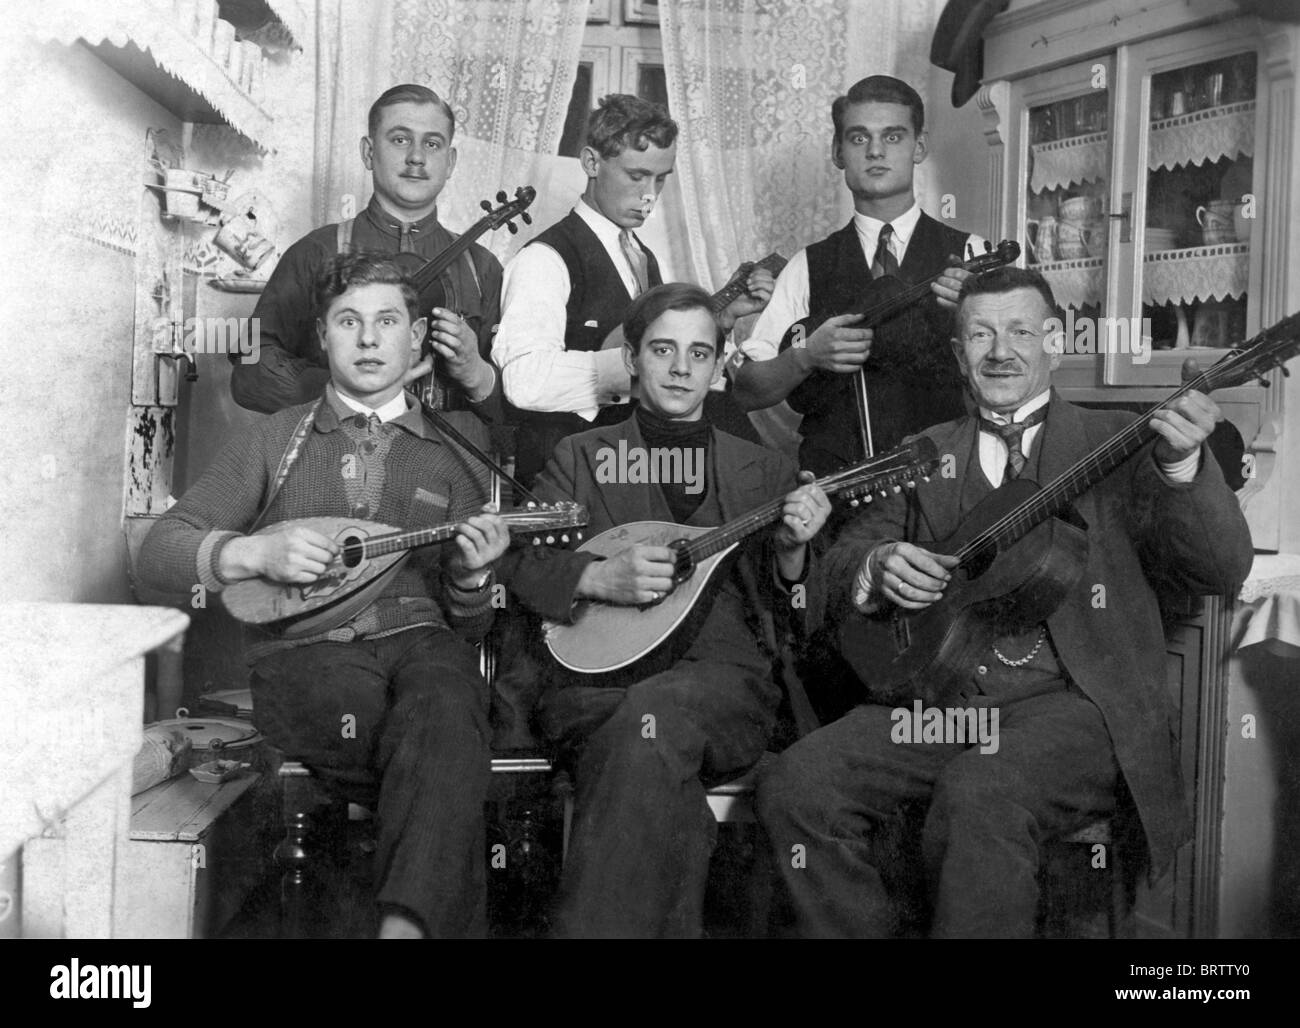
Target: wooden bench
[(195, 851)]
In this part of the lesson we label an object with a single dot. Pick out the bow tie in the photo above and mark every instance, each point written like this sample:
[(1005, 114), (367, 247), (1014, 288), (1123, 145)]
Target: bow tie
[(1011, 434)]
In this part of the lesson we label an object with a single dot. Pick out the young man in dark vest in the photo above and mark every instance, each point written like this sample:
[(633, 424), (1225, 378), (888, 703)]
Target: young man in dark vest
[(410, 156), (912, 379), (569, 288)]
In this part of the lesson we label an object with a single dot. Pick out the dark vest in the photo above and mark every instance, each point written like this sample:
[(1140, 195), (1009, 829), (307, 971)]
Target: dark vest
[(912, 377), (597, 296)]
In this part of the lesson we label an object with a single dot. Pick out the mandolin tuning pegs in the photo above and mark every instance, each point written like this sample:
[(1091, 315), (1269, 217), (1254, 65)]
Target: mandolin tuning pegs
[(531, 505), (854, 502), (1286, 372), (536, 541), (867, 498), (528, 218), (897, 489), (512, 227), (485, 205), (565, 538), (501, 196), (550, 540)]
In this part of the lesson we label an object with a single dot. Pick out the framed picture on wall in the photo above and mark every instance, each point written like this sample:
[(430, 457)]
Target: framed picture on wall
[(641, 12), (643, 74)]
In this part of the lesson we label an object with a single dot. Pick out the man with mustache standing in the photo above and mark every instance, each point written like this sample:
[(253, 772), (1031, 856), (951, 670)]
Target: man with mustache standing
[(409, 153), (1081, 696)]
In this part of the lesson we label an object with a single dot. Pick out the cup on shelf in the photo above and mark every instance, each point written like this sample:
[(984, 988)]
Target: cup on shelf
[(1081, 209), (1040, 234), (1214, 89), (1160, 239), (1216, 221), (1072, 240), (241, 238), (1177, 103), (183, 188)]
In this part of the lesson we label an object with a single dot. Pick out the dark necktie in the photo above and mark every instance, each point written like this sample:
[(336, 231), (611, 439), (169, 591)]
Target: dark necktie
[(404, 242), (636, 258), (884, 262), (1011, 435)]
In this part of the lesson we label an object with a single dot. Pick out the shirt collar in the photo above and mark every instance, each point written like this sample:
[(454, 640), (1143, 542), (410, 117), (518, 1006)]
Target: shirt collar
[(904, 225), (606, 231), (1021, 413), (384, 221), (403, 411)]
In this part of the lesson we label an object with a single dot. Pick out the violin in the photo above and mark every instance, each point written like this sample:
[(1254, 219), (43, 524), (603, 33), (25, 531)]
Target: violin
[(891, 308), (436, 286)]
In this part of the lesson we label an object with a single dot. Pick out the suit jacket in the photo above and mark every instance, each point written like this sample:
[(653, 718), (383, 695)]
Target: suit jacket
[(744, 475), (1145, 534)]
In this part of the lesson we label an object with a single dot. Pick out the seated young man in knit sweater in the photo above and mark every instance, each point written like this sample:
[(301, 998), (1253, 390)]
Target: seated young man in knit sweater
[(402, 672), (642, 831)]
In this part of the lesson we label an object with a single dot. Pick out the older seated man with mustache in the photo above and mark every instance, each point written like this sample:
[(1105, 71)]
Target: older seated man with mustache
[(1082, 698)]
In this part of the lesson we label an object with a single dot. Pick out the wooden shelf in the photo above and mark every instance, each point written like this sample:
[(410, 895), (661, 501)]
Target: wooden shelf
[(190, 98), (147, 47)]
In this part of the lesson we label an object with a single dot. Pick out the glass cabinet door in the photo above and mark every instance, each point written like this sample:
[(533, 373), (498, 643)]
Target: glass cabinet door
[(1194, 203), (1065, 158)]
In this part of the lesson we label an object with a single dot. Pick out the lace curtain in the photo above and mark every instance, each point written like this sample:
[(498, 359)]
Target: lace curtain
[(751, 83), (506, 68)]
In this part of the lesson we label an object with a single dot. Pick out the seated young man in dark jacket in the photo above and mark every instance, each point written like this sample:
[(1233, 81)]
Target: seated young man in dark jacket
[(698, 708), (392, 696)]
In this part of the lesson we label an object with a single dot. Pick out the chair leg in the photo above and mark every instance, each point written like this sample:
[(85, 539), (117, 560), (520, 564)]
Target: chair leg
[(292, 855)]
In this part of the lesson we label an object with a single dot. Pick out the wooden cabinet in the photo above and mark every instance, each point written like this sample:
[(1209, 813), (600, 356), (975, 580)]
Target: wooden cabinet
[(1145, 161), (1185, 902)]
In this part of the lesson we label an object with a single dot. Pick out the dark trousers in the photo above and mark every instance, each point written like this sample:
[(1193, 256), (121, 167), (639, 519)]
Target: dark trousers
[(398, 723), (642, 830), (828, 797)]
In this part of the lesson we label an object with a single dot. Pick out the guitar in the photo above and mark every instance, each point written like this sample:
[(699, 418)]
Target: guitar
[(437, 289), (720, 300), (1017, 557), (371, 555), (884, 301), (605, 637)]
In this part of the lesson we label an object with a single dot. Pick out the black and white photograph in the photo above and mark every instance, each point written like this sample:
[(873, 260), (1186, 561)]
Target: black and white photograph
[(614, 469)]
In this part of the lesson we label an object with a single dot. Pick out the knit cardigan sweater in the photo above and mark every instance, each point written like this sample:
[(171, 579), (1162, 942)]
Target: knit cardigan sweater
[(403, 473)]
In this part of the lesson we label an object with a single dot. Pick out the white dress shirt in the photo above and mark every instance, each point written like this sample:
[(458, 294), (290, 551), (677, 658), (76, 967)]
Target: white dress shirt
[(394, 408), (993, 454), (537, 372), (789, 301)]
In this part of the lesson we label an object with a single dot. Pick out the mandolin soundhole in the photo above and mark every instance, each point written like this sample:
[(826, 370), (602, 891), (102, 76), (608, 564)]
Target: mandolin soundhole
[(353, 548)]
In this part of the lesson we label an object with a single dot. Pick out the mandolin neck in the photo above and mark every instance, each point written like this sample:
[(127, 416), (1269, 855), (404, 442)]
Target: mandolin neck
[(377, 546), (724, 297), (725, 536)]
